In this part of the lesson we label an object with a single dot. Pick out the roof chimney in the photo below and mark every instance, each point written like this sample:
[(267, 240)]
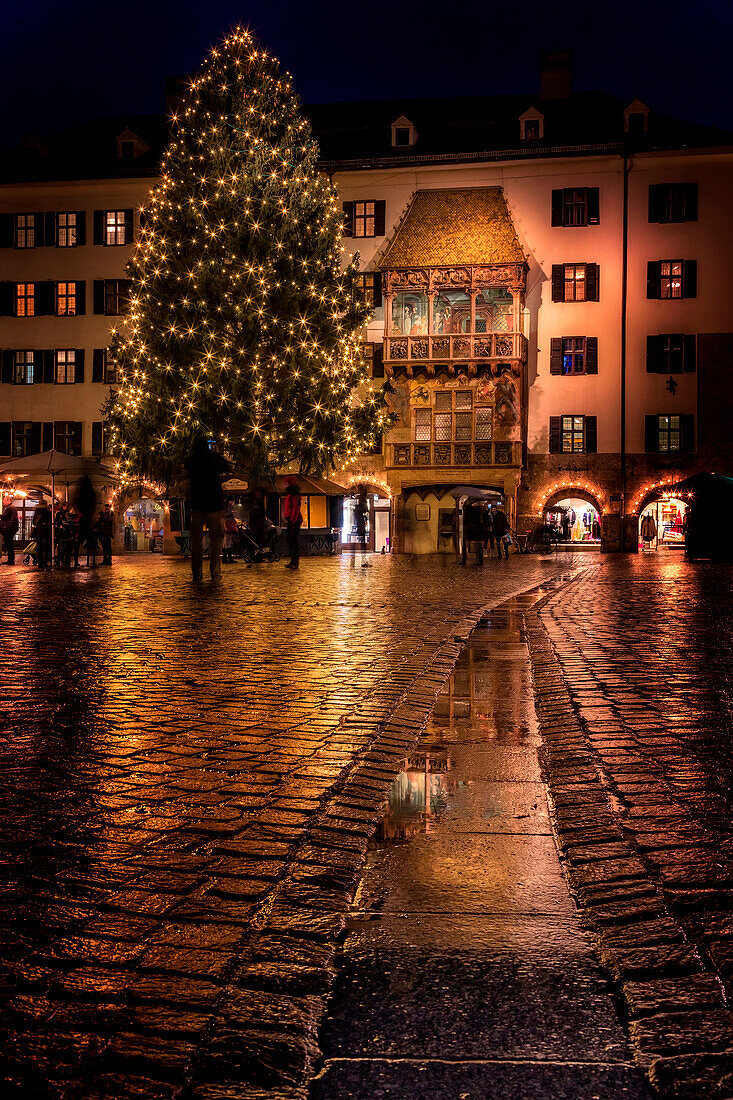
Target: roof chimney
[(556, 74)]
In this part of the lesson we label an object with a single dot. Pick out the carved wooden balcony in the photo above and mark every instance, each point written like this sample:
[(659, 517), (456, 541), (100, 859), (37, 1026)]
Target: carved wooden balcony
[(479, 347)]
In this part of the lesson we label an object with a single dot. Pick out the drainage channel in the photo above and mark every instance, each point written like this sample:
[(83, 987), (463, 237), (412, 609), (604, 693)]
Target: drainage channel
[(465, 973)]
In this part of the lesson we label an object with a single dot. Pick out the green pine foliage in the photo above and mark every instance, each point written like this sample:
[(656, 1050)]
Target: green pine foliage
[(242, 324)]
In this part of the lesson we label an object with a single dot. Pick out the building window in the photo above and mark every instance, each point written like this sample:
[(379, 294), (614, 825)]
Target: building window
[(423, 424), (66, 299), (402, 135), (670, 279), (484, 424), (66, 230), (575, 206), (26, 438), (24, 372), (573, 355), (25, 299), (115, 227), (369, 287), (571, 434), (668, 434), (673, 202), (363, 219), (25, 230), (667, 279), (65, 366), (670, 353), (67, 437), (575, 282), (532, 129), (116, 296)]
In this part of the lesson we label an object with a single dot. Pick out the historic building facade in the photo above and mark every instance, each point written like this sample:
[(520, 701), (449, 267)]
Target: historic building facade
[(549, 282)]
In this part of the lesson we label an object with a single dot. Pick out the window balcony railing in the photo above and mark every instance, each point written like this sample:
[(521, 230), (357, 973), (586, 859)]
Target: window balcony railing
[(479, 346)]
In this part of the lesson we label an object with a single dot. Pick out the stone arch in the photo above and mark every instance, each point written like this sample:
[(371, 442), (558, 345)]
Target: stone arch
[(579, 492)]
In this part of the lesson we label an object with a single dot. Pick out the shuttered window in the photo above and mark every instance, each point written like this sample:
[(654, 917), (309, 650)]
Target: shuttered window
[(573, 434), (25, 230), (575, 206), (25, 299), (24, 372)]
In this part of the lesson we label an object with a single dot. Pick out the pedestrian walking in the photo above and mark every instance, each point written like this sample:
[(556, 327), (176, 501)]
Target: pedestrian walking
[(501, 531), (8, 530), (106, 527), (41, 532), (206, 468), (361, 518), (85, 503), (294, 519), (487, 526), (231, 530)]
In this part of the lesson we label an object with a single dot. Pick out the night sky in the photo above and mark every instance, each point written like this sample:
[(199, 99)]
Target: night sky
[(64, 64)]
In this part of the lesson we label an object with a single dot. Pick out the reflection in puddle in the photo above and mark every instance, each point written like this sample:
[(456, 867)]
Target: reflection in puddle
[(419, 795)]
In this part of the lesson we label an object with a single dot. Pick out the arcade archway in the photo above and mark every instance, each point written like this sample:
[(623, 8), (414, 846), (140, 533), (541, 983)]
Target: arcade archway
[(575, 516)]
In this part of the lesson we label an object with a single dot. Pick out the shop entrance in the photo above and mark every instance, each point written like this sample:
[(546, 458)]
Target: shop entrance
[(144, 526), (378, 533), (575, 520), (662, 524)]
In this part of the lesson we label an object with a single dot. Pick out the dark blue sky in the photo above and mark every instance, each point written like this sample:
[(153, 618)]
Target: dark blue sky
[(62, 64)]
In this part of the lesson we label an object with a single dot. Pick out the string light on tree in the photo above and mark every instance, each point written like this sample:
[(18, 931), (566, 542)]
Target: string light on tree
[(242, 324)]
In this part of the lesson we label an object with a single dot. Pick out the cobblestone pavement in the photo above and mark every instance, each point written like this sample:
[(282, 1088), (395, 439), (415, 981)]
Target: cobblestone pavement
[(633, 675), (189, 780)]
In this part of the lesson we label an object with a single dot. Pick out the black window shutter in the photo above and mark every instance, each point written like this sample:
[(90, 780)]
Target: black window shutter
[(98, 365), (653, 279), (654, 202), (687, 432), (99, 226), (7, 367), (47, 437), (128, 227), (557, 206), (7, 299), (653, 357), (79, 365), (36, 437), (591, 435), (48, 374), (39, 225), (555, 440), (377, 289), (77, 437), (5, 434), (689, 279), (380, 207), (348, 219), (651, 434), (98, 295), (591, 355), (81, 297), (689, 353), (592, 282), (6, 230), (97, 437), (558, 283), (50, 228), (378, 361), (594, 206), (691, 202), (45, 304), (81, 227), (556, 355)]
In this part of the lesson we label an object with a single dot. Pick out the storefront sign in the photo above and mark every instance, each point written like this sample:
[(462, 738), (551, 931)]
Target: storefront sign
[(422, 511), (234, 485)]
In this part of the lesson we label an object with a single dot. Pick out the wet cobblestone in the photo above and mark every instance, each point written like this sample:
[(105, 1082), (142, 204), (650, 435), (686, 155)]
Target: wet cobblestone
[(633, 672), (189, 780)]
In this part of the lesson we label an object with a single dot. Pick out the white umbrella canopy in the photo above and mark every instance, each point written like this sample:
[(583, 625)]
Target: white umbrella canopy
[(52, 464)]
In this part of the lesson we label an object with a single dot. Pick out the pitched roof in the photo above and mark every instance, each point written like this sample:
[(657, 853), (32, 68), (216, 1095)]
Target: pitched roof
[(467, 226)]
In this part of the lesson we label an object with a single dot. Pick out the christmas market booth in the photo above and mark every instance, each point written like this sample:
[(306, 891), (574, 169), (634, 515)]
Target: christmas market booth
[(322, 505)]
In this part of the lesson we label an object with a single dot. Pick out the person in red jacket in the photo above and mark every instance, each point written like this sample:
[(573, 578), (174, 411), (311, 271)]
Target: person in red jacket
[(294, 519)]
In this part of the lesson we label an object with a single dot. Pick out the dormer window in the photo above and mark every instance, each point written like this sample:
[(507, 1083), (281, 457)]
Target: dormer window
[(636, 118), (130, 145), (404, 133), (532, 125)]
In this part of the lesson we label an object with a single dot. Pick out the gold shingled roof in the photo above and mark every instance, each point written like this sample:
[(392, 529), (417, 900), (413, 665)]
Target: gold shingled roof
[(441, 228)]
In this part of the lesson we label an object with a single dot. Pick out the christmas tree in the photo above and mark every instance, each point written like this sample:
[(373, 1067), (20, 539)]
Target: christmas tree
[(242, 324)]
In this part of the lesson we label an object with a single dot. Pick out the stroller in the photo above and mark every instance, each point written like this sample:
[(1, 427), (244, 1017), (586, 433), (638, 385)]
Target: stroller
[(251, 551), (30, 554)]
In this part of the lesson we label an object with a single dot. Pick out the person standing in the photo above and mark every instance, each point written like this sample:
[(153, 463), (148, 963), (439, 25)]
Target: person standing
[(487, 527), (41, 531), (106, 533), (85, 502), (231, 529), (9, 529), (501, 531), (361, 515), (206, 467), (473, 531), (294, 519)]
